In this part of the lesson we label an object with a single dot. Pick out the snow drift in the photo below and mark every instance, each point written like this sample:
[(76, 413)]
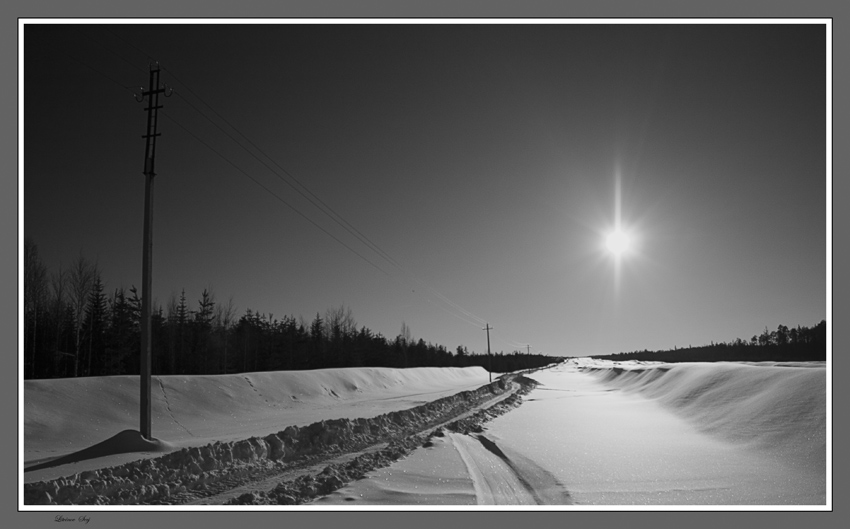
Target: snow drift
[(62, 416), (775, 407), (72, 426), (160, 479)]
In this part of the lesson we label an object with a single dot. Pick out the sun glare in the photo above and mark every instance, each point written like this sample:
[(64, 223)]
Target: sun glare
[(618, 242)]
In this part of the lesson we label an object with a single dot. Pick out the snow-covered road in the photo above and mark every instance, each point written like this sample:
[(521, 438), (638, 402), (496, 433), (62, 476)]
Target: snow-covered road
[(591, 433), (579, 439)]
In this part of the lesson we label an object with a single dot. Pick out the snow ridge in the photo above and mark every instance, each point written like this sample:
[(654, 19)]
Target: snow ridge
[(777, 407), (190, 472), (307, 488)]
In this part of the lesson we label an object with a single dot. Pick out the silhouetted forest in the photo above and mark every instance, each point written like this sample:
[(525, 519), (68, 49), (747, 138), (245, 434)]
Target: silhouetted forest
[(74, 327), (800, 344)]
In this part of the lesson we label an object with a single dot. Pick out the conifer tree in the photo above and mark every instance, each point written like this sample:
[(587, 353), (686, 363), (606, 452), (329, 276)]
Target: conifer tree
[(203, 328), (182, 322), (317, 342), (95, 327)]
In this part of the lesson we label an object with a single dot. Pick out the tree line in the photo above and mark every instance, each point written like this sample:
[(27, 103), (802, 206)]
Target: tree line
[(74, 327), (799, 344)]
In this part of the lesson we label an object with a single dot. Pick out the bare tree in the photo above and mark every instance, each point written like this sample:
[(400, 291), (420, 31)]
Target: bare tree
[(81, 279), (339, 321), (58, 287), (35, 288), (404, 338), (224, 316), (339, 324)]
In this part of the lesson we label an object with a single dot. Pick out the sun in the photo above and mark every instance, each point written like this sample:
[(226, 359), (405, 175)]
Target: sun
[(618, 242)]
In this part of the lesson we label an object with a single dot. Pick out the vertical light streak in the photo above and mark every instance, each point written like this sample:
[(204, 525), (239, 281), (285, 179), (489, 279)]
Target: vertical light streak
[(617, 228)]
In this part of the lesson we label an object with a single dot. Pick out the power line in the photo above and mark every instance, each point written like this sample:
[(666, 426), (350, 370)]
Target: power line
[(293, 208), (512, 344), (446, 300), (113, 52), (275, 195), (312, 198), (129, 44), (450, 313), (105, 76), (304, 191), (327, 210)]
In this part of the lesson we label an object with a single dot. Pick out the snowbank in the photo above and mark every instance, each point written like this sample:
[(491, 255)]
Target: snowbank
[(66, 415), (779, 408), (171, 477)]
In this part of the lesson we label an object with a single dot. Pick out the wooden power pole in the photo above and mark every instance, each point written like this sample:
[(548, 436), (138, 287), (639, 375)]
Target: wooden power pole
[(152, 94), (489, 356)]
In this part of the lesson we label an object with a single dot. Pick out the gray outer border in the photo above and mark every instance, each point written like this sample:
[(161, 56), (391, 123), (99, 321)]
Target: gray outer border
[(10, 222)]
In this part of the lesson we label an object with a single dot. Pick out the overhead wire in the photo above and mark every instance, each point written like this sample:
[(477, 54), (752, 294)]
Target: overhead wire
[(453, 314), (128, 43), (105, 76), (356, 233), (511, 343), (465, 315), (275, 195), (321, 205), (304, 191), (108, 49)]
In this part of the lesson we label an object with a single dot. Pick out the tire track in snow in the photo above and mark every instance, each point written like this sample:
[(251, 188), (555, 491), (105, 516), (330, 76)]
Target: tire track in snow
[(510, 479), (168, 407), (289, 486), (541, 483), (491, 488)]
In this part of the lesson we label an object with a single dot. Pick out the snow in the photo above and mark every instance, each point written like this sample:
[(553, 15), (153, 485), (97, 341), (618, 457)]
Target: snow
[(633, 450), (593, 433), (64, 416), (454, 470), (435, 475), (632, 434), (779, 409)]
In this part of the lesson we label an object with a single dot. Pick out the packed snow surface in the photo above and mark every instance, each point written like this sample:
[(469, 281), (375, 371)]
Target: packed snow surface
[(631, 434)]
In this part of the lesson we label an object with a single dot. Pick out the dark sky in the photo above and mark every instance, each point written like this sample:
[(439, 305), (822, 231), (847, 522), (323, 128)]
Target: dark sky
[(481, 160)]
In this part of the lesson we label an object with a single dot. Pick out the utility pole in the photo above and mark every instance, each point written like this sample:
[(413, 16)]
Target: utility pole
[(152, 94), (528, 348), (489, 356)]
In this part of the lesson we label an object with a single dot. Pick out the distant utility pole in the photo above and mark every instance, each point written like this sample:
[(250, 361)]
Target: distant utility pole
[(152, 94), (489, 356), (528, 348)]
